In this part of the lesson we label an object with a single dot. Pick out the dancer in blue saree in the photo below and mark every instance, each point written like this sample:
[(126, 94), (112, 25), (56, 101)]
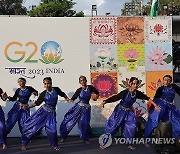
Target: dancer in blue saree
[(19, 112), (123, 115), (3, 96), (164, 99), (80, 113), (45, 116)]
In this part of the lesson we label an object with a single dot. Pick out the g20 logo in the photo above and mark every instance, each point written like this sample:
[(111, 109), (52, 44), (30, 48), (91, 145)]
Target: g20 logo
[(50, 52)]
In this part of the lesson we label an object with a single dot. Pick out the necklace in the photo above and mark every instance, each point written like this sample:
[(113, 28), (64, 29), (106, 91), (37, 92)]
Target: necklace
[(132, 96), (85, 88), (50, 92)]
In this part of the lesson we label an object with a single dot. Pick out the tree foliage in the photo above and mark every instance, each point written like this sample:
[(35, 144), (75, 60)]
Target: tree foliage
[(55, 8), (12, 7)]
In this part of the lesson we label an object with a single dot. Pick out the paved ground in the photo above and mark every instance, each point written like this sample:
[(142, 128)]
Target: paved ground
[(73, 145)]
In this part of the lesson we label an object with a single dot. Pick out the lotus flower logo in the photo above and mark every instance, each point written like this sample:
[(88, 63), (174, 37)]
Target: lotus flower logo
[(103, 31), (104, 85), (51, 53)]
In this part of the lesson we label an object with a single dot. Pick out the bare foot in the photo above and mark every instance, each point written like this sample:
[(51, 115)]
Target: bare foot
[(147, 145), (4, 147), (101, 147), (62, 140), (23, 148), (87, 142), (56, 148), (131, 147)]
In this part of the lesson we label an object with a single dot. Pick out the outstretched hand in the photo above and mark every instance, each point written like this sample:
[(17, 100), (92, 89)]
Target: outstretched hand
[(157, 108), (4, 96), (23, 107), (70, 101), (102, 105)]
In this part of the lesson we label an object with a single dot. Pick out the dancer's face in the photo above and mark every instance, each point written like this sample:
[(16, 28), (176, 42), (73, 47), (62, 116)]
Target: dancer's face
[(166, 81), (82, 81), (21, 83), (47, 85), (133, 85)]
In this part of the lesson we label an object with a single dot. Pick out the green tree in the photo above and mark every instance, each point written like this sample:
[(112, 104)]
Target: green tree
[(12, 7), (55, 8), (79, 14)]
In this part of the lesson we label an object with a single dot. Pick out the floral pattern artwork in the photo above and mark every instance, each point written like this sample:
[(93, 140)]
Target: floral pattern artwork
[(103, 31), (159, 57), (106, 83), (158, 29), (154, 80), (99, 116), (125, 83), (130, 30), (124, 77), (140, 107), (131, 57), (103, 58)]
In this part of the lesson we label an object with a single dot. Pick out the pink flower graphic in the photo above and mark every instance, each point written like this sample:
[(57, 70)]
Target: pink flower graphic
[(104, 85), (157, 56), (131, 53)]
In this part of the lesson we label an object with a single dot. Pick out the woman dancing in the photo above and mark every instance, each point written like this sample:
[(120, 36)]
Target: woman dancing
[(45, 116), (80, 112), (164, 99), (123, 115), (19, 112), (3, 96)]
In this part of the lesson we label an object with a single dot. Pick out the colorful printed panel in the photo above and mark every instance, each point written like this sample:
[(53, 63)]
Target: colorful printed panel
[(154, 80), (103, 58), (103, 31), (106, 83), (99, 116), (158, 57), (131, 57), (130, 30), (158, 29), (123, 80), (140, 107)]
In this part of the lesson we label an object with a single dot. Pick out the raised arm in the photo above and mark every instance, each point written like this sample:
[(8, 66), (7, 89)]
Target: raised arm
[(61, 93), (76, 94), (1, 94), (39, 100), (95, 91), (115, 98), (158, 93), (176, 88), (14, 98), (33, 91), (142, 96)]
